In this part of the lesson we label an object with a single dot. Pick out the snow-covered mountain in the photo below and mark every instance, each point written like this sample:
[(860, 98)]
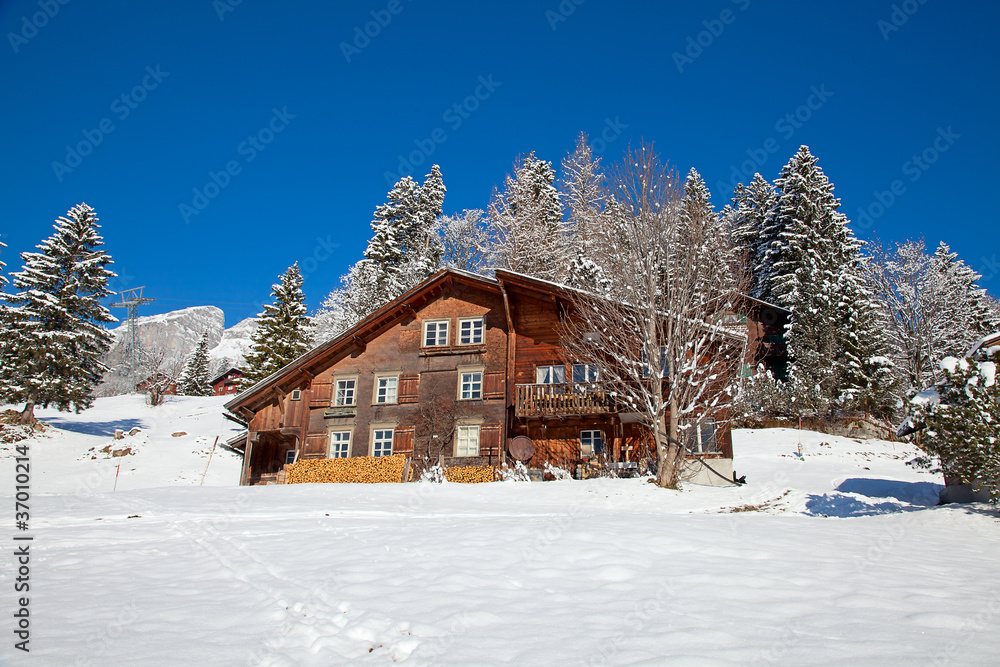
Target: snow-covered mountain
[(171, 337)]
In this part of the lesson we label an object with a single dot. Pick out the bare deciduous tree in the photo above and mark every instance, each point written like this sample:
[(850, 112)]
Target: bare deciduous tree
[(658, 336)]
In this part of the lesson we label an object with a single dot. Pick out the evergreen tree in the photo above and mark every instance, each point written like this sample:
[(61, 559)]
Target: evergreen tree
[(195, 380), (962, 419), (284, 332), (3, 278), (754, 232), (404, 250), (583, 193), (834, 335), (465, 241), (966, 311), (528, 221), (51, 355)]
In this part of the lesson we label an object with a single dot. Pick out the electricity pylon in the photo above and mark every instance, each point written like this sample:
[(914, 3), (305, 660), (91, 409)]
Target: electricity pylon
[(132, 299)]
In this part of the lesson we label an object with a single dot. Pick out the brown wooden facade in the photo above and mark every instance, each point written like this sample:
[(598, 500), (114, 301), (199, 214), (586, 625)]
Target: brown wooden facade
[(449, 372)]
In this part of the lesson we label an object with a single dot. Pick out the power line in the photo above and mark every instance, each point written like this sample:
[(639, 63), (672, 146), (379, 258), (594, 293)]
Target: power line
[(132, 299)]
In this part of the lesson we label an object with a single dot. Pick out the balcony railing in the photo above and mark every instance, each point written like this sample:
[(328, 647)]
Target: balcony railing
[(561, 400)]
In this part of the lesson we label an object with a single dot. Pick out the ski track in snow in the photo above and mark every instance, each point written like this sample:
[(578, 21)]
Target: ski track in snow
[(840, 557)]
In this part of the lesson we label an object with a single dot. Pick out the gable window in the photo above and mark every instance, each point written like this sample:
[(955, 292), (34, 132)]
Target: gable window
[(471, 385), (382, 442), (550, 375), (289, 456), (700, 438), (470, 331), (386, 388), (340, 444), (296, 394), (346, 392), (467, 441), (586, 373), (591, 443), (435, 333)]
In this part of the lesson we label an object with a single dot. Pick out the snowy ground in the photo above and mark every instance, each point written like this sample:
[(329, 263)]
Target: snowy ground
[(838, 558)]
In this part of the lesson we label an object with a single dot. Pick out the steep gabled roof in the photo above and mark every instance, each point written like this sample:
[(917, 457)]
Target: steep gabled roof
[(225, 373), (380, 319)]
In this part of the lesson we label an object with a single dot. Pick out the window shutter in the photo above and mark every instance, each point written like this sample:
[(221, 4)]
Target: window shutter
[(402, 441), (409, 388), (315, 445), (489, 440), (321, 394), (493, 385)]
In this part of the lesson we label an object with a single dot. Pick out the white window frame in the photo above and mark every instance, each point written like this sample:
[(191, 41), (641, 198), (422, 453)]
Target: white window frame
[(296, 394), (588, 450), (353, 391), (467, 439), (437, 333), (394, 385), (587, 370), (472, 322), (292, 457), (555, 370), (377, 439), (708, 427), (471, 384), (330, 454)]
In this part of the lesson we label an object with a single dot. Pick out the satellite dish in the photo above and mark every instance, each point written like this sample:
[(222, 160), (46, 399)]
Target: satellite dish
[(521, 448)]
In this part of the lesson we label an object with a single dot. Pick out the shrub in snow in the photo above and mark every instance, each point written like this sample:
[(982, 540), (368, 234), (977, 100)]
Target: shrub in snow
[(557, 472), (519, 473), (433, 475), (962, 420)]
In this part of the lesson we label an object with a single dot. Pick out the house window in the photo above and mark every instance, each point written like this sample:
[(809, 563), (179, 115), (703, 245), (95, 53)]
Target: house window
[(664, 363), (289, 456), (386, 388), (591, 443), (382, 442), (436, 333), (550, 375), (471, 386), (586, 373), (700, 438), (470, 331), (296, 394), (340, 445), (346, 391), (467, 442)]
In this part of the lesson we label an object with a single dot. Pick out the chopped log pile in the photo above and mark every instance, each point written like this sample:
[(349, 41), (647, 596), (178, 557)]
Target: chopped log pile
[(355, 470)]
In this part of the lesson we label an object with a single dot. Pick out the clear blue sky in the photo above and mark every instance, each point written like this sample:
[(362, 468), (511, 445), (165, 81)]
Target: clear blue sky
[(880, 94)]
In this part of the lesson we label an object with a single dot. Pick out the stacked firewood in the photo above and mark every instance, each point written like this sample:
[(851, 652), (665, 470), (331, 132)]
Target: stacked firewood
[(354, 470), (470, 474)]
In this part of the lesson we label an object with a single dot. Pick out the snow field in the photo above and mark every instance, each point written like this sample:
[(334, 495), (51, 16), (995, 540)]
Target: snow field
[(838, 558)]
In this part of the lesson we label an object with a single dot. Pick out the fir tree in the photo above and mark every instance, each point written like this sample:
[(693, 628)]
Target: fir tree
[(284, 332), (754, 232), (962, 420), (967, 309), (528, 221), (582, 187), (51, 355), (195, 380)]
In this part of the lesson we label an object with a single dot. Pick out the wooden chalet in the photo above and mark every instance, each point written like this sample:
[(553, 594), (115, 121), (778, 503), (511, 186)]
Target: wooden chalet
[(461, 369), (226, 382), (162, 383)]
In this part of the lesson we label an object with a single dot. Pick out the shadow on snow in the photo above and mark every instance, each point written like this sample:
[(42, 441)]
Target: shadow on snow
[(94, 427), (850, 498)]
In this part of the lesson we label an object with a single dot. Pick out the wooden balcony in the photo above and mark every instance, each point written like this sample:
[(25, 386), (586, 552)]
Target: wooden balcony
[(561, 400)]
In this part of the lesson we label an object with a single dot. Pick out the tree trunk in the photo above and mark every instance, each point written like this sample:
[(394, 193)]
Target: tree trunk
[(28, 414)]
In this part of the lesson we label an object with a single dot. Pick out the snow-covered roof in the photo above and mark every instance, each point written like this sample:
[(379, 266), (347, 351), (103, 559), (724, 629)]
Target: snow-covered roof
[(985, 341)]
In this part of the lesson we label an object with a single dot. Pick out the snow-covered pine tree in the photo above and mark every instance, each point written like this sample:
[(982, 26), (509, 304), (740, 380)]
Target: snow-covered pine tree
[(195, 380), (812, 256), (51, 355), (584, 194), (3, 265), (754, 231), (284, 331), (404, 250), (527, 218), (962, 424)]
